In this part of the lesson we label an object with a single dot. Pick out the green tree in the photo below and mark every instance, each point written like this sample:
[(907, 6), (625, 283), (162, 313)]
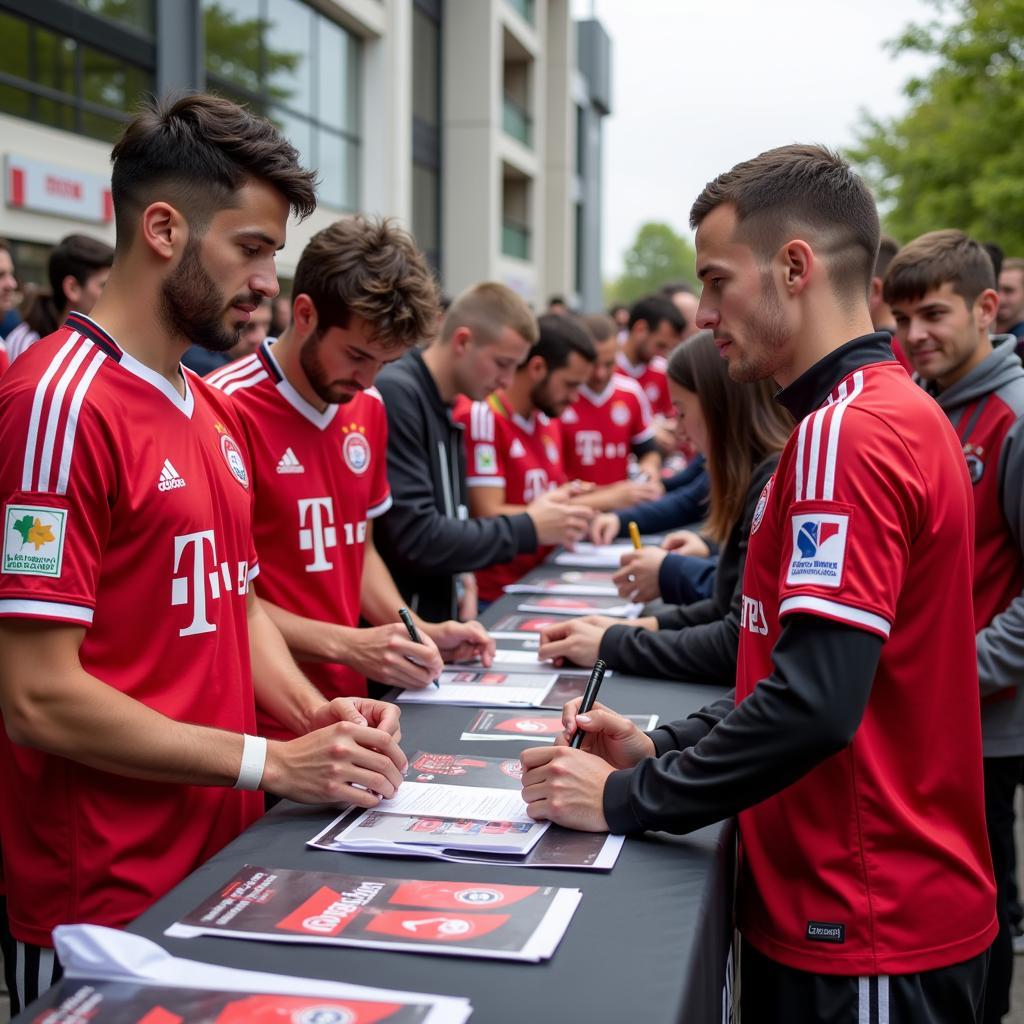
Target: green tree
[(956, 158), (657, 256)]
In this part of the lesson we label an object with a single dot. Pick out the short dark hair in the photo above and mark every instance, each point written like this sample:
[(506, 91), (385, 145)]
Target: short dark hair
[(801, 189), (78, 256), (560, 336), (196, 152), (655, 310), (5, 246), (601, 327), (370, 267), (887, 249), (934, 259)]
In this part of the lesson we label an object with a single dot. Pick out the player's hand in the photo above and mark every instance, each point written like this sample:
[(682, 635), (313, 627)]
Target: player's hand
[(565, 786), (386, 653), (461, 641), (377, 714), (609, 736), (605, 528), (469, 600), (330, 764), (558, 522), (637, 580), (632, 492), (573, 489), (686, 542), (576, 640)]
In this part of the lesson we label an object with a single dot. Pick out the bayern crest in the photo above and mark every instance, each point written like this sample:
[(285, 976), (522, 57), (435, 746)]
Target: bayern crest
[(356, 451), (762, 504), (620, 414), (233, 457)]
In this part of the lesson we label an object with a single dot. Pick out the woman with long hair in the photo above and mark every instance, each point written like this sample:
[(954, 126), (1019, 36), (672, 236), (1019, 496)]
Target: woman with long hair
[(741, 431)]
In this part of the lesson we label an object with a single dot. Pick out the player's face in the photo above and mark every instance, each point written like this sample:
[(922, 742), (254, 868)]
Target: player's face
[(739, 301), (603, 368), (225, 274), (490, 365), (561, 387), (82, 297), (659, 342), (1011, 298), (939, 333), (687, 305), (339, 362), (8, 282), (690, 423)]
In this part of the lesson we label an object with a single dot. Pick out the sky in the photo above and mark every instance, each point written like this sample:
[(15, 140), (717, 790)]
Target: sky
[(698, 85)]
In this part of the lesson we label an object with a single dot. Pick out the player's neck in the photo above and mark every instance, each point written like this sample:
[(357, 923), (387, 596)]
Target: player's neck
[(517, 397), (826, 328), (129, 312), (438, 361), (286, 352), (630, 349)]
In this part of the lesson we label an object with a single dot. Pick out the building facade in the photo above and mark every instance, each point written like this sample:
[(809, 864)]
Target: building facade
[(477, 123)]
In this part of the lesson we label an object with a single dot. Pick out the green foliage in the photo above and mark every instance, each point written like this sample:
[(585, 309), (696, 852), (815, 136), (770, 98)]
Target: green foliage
[(657, 256), (956, 158)]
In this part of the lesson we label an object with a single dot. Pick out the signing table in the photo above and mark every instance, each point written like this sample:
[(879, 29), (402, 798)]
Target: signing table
[(648, 942)]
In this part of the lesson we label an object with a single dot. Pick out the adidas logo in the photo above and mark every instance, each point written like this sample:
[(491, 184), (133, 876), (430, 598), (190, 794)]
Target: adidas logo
[(516, 451), (290, 464), (169, 478)]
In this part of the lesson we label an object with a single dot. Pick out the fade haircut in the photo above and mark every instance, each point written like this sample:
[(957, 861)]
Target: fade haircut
[(369, 267), (196, 152), (934, 259), (801, 190), (487, 309), (601, 327), (655, 310), (558, 338)]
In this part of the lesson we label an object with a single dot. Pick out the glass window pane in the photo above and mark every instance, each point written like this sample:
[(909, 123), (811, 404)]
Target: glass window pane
[(133, 13), (14, 45), (425, 207), (338, 76), (14, 101), (289, 38), (99, 127), (298, 131), (338, 166), (54, 60), (425, 70), (234, 30)]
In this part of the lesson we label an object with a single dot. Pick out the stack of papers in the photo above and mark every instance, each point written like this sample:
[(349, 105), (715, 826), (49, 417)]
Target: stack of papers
[(485, 688), (483, 919), (112, 977), (615, 607), (594, 556), (535, 726), (516, 662), (578, 584)]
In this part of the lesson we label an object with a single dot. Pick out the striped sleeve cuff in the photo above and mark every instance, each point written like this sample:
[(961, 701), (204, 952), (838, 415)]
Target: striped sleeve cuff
[(27, 608), (838, 612), (485, 481), (380, 508)]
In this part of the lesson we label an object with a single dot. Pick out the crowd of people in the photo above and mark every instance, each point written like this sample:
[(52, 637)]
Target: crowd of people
[(203, 566)]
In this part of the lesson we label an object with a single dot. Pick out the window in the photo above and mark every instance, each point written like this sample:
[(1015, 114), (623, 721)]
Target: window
[(136, 14), (69, 82), (302, 70), (426, 128)]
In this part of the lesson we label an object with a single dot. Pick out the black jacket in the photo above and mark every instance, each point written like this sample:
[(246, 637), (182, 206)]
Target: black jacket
[(696, 642), (427, 537)]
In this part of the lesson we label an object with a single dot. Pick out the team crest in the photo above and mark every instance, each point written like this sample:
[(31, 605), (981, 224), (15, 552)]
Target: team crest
[(620, 414), (762, 504), (975, 457), (355, 449), (233, 457)]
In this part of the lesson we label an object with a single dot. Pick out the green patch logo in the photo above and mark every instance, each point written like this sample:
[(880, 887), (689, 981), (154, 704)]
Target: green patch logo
[(34, 540)]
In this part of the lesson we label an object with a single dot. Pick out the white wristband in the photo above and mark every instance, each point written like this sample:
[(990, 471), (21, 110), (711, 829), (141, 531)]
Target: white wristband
[(254, 757)]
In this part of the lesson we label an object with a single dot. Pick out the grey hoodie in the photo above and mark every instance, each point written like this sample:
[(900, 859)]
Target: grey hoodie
[(986, 409)]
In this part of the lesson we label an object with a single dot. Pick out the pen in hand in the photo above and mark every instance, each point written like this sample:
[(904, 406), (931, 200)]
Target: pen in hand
[(587, 704), (414, 635), (634, 535)]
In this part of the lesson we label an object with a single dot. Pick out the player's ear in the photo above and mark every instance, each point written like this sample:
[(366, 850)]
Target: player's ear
[(797, 260), (537, 368), (304, 315), (164, 230), (460, 340)]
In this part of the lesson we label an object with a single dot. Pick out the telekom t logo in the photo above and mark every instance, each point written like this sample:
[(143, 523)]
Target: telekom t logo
[(199, 585), (317, 532), (588, 446), (535, 483)]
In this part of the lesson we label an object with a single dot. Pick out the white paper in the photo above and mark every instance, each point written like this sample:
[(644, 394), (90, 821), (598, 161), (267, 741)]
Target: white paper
[(521, 689), (594, 556), (482, 803), (565, 589), (91, 952), (626, 610), (533, 638)]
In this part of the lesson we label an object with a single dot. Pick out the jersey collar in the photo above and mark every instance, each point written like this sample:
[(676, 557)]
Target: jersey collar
[(811, 389), (598, 398), (633, 369), (320, 420), (90, 329), (499, 402)]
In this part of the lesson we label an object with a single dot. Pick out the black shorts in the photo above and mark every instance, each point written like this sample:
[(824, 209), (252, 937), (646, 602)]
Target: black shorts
[(773, 994)]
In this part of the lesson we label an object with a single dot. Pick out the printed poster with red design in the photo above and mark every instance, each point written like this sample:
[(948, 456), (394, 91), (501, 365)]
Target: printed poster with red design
[(480, 919), (572, 583), (534, 726), (555, 604), (524, 623), (487, 688)]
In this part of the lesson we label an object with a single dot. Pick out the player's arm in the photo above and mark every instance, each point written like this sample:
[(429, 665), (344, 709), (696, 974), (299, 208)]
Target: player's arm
[(486, 502), (1001, 642), (51, 703), (650, 463), (453, 641)]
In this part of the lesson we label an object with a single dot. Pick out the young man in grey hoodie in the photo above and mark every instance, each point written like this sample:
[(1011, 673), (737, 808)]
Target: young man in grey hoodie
[(942, 291)]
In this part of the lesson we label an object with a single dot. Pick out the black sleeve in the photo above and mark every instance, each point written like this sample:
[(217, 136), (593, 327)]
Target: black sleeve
[(807, 710), (418, 536), (686, 579), (641, 448), (682, 507)]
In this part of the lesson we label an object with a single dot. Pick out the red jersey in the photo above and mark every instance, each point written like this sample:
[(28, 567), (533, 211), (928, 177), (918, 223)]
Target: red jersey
[(877, 860), (522, 456), (600, 429), (653, 379), (128, 512), (318, 478)]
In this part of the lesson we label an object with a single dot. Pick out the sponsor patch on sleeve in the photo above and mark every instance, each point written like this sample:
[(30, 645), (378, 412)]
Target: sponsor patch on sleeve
[(486, 460), (34, 540), (819, 549)]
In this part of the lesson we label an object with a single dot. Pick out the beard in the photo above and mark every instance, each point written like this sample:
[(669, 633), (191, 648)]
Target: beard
[(541, 399), (766, 324), (192, 306), (333, 392)]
